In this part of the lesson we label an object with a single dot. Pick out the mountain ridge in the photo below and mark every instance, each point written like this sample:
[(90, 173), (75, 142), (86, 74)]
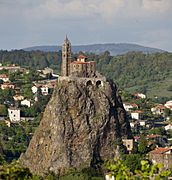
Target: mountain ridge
[(113, 48)]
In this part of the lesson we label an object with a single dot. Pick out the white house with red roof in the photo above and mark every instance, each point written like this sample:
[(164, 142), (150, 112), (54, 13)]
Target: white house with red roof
[(162, 155), (159, 109), (4, 77), (168, 104), (136, 114), (168, 127), (7, 86), (129, 106), (140, 95)]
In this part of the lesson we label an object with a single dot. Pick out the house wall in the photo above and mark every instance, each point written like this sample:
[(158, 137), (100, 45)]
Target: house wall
[(165, 159), (14, 115)]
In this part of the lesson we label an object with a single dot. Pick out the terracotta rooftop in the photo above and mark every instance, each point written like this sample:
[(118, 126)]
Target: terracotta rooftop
[(81, 56), (79, 62), (136, 137), (137, 111), (134, 105), (160, 106), (151, 136), (3, 76), (160, 150)]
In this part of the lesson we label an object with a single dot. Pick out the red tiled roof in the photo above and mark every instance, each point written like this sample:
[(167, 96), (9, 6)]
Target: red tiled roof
[(160, 150), (79, 62), (136, 137), (3, 76), (152, 136), (160, 106), (137, 111), (134, 105), (81, 56)]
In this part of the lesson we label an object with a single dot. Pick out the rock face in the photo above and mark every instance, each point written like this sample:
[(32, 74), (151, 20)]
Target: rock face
[(79, 127)]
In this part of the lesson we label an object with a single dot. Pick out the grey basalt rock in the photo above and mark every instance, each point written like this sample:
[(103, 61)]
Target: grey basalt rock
[(79, 127)]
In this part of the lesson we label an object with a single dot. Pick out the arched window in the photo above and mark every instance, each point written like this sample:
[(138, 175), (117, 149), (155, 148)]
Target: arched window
[(98, 83), (89, 83)]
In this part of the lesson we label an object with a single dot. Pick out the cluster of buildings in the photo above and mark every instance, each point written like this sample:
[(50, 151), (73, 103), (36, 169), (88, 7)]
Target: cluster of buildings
[(163, 152), (14, 112), (137, 115), (160, 108), (43, 87)]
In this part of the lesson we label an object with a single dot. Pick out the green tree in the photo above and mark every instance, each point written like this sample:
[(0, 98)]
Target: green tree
[(167, 112), (3, 110), (169, 88), (132, 161), (143, 145)]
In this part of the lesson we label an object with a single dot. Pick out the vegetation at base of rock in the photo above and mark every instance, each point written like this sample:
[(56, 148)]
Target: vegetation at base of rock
[(147, 170), (114, 168), (15, 171), (15, 139)]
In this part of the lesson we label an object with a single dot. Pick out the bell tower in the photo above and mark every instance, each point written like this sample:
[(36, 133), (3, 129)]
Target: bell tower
[(66, 58)]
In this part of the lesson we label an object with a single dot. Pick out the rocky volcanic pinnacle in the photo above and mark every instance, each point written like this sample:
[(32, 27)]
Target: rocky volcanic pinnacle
[(79, 126)]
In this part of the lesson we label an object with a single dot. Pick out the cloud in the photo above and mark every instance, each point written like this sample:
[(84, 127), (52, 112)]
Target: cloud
[(157, 6), (26, 22)]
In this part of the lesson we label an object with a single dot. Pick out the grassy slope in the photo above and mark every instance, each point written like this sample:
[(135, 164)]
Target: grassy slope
[(140, 72)]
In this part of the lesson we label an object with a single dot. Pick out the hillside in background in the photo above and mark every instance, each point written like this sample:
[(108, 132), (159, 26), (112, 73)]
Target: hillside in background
[(133, 71), (114, 49), (136, 71)]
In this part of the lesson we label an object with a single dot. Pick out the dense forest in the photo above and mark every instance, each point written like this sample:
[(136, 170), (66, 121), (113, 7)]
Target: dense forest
[(134, 71), (31, 59)]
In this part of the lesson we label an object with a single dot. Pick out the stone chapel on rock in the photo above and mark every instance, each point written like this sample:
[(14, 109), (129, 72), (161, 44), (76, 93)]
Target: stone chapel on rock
[(76, 68)]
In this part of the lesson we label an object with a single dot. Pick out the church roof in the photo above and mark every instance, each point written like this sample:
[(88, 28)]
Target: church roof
[(81, 56), (79, 62)]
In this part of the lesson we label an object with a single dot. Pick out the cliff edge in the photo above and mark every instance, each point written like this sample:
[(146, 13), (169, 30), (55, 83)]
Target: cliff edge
[(79, 127)]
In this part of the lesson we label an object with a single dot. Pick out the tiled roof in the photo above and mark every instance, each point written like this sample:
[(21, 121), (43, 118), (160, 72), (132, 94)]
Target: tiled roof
[(81, 56), (79, 62), (152, 136), (3, 76), (160, 150), (137, 111)]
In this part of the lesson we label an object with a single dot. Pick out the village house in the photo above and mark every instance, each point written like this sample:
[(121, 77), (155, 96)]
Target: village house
[(14, 114), (27, 103), (134, 124), (129, 144), (140, 95), (18, 97), (156, 139), (7, 86), (162, 156), (44, 90), (136, 138), (159, 109), (34, 89), (11, 68), (168, 127), (168, 105), (4, 77), (136, 114), (47, 70), (142, 123), (130, 106)]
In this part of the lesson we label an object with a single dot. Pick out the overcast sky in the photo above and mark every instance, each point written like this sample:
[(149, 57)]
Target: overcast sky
[(25, 23)]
